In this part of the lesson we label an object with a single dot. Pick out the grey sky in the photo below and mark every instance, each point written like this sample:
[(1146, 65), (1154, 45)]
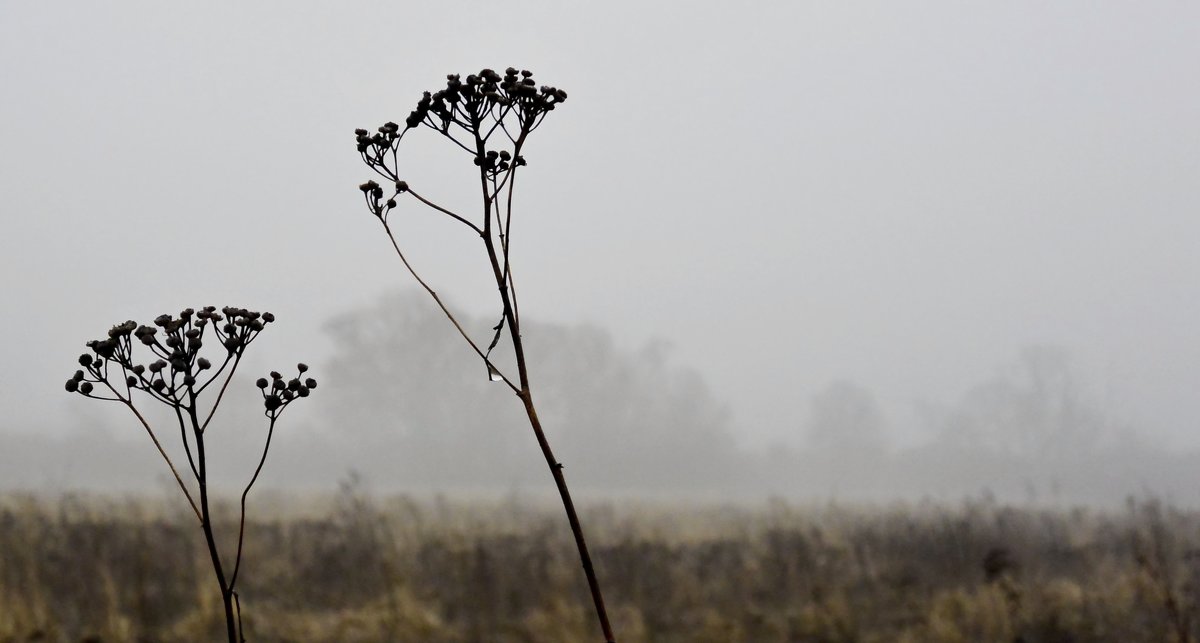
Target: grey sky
[(899, 194)]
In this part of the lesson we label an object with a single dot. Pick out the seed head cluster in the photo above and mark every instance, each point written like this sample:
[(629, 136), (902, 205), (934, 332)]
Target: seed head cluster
[(176, 370), (469, 111), (278, 393)]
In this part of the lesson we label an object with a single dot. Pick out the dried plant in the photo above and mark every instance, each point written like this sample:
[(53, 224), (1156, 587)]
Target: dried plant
[(489, 116), (177, 377)]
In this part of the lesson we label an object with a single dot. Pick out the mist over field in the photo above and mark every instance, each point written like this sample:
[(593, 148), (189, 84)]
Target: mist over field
[(815, 251), (405, 407), (869, 322)]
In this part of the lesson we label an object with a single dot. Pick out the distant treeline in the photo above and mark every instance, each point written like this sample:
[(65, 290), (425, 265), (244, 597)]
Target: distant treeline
[(406, 405)]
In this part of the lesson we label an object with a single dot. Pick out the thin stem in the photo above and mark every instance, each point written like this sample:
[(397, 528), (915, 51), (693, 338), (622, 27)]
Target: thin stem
[(237, 601), (186, 443), (445, 310), (206, 525), (439, 208), (237, 563), (166, 457), (220, 394), (556, 467)]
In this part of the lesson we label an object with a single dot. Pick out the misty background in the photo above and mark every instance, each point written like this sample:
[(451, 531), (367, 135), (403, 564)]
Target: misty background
[(831, 251)]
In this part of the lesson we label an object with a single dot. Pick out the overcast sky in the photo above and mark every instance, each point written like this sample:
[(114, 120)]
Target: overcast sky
[(899, 194)]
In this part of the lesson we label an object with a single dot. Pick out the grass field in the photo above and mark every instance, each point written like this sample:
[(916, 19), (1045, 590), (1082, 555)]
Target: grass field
[(356, 568)]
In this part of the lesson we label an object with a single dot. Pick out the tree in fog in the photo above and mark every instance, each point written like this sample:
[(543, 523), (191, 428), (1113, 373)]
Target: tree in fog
[(1035, 408), (845, 419), (607, 405)]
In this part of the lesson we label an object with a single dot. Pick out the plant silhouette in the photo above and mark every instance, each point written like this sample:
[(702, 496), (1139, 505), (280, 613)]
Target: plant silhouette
[(490, 117), (177, 377)]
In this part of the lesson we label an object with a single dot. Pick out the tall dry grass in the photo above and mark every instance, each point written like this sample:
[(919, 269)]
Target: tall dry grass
[(359, 568)]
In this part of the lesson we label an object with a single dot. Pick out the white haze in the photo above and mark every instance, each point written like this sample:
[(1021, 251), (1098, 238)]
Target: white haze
[(901, 195)]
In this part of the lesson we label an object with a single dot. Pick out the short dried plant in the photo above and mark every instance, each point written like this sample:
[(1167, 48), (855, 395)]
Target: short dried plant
[(176, 376)]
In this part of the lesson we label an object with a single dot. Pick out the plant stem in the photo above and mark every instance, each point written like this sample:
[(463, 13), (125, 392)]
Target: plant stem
[(556, 467), (206, 524)]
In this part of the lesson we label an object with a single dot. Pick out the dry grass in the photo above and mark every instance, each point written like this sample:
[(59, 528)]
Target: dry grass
[(359, 569)]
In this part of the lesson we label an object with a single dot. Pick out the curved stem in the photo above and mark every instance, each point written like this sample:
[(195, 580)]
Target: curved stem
[(166, 457), (556, 467), (439, 208), (220, 395), (237, 563), (445, 310)]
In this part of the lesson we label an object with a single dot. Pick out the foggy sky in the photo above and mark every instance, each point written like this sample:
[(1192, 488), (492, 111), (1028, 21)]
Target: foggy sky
[(896, 194)]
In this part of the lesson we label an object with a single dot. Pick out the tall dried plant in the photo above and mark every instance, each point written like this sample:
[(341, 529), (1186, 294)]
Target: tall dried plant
[(490, 117)]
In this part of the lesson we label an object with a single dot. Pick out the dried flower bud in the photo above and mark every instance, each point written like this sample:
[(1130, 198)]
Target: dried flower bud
[(204, 364), (268, 317), (261, 383), (275, 375), (361, 132), (188, 380), (85, 360), (158, 385), (310, 383), (302, 367), (131, 380), (401, 186), (278, 385), (366, 188), (302, 391), (78, 377), (85, 388), (72, 386), (272, 402)]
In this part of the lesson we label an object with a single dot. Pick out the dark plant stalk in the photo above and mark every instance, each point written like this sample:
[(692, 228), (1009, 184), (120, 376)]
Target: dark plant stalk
[(477, 108), (210, 538)]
